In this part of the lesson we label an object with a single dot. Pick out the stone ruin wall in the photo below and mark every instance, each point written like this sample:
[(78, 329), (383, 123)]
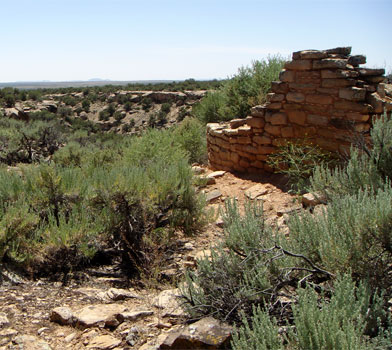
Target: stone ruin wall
[(323, 96)]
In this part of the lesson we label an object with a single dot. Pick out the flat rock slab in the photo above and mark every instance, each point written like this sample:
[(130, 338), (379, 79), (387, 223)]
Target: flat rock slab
[(257, 191), (208, 333), (107, 315), (169, 301), (216, 174), (30, 342), (213, 195), (104, 342), (136, 314)]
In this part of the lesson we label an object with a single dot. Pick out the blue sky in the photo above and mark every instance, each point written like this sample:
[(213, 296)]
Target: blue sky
[(62, 40)]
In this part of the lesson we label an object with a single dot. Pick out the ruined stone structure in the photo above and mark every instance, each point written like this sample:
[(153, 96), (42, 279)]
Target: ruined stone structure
[(321, 95)]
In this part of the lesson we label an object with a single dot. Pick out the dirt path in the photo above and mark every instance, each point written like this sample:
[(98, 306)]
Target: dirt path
[(26, 308)]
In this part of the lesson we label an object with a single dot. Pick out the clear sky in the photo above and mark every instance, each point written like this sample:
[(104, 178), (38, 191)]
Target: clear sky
[(62, 40)]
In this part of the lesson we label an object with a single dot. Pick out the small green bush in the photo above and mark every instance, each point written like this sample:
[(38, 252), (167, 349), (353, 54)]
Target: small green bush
[(368, 168), (237, 95)]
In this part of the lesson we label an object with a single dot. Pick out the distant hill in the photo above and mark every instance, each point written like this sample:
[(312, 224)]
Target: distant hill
[(92, 82)]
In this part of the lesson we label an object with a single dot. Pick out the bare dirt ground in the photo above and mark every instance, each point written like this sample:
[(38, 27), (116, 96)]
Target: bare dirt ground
[(27, 306)]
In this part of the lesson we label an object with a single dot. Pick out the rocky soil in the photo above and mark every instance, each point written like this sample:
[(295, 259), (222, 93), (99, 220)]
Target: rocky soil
[(103, 310)]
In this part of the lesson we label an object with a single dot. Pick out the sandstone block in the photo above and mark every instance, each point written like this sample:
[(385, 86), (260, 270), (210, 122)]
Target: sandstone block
[(317, 108), (304, 86), (272, 129), (358, 117), (287, 76), (300, 131), (272, 97), (309, 55), (352, 106), (317, 119), (353, 94), (256, 122), (257, 111), (279, 87), (279, 142), (299, 65), (235, 123), (222, 144), (340, 50), (244, 163), (257, 164), (297, 117), (319, 99), (366, 72), (376, 101), (244, 130), (234, 157), (362, 127), (375, 80), (274, 105), (357, 60), (331, 83), (288, 131), (326, 63), (338, 74), (335, 134), (328, 144), (266, 149), (262, 157), (297, 97), (244, 140), (305, 77), (328, 91), (292, 106), (262, 140), (230, 132), (278, 119), (250, 149)]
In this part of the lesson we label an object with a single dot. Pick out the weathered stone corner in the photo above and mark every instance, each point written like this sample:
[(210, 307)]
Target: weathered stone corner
[(323, 95)]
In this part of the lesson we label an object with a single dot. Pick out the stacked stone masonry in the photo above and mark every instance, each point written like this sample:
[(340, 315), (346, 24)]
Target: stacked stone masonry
[(323, 96)]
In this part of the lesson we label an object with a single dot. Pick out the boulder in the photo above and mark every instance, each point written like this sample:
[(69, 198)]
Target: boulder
[(16, 113), (208, 333), (62, 315), (107, 315)]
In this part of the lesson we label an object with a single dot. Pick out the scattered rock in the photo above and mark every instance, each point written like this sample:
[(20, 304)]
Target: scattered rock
[(282, 212), (120, 294), (132, 336), (169, 301), (62, 315), (30, 342), (103, 315), (134, 315), (213, 195), (70, 337), (208, 333), (219, 222), (104, 342), (4, 322), (42, 329), (209, 180), (216, 174), (257, 191), (311, 200), (198, 170)]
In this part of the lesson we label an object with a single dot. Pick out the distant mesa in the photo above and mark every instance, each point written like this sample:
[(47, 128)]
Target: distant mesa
[(98, 79)]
